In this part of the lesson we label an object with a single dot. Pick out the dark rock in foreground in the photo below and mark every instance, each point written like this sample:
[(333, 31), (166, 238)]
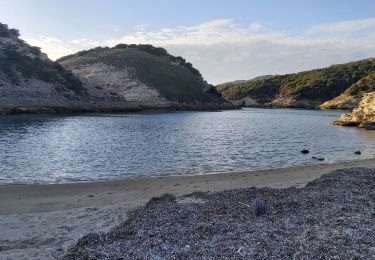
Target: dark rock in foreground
[(332, 217)]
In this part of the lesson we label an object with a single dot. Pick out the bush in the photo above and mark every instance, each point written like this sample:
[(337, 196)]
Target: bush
[(6, 32), (12, 64)]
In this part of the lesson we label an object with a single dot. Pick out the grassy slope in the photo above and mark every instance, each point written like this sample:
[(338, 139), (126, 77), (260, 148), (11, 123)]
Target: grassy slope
[(351, 97), (154, 66), (319, 84), (364, 85)]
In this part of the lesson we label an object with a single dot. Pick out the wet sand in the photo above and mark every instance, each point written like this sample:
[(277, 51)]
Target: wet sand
[(52, 197)]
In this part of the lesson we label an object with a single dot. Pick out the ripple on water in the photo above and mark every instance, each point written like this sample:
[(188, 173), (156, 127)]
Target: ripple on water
[(53, 149)]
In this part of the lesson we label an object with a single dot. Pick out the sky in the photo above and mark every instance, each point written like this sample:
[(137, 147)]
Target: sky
[(225, 39)]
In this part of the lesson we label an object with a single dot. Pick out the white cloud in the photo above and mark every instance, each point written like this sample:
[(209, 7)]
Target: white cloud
[(223, 50), (210, 33), (55, 48), (83, 42), (255, 27), (141, 27), (343, 27)]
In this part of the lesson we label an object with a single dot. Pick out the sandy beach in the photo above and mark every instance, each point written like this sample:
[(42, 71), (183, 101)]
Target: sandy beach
[(42, 221)]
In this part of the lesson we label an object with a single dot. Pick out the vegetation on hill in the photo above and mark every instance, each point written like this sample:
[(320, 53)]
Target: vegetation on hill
[(6, 32), (317, 85), (236, 82), (13, 64), (174, 78), (351, 97), (364, 85), (19, 61)]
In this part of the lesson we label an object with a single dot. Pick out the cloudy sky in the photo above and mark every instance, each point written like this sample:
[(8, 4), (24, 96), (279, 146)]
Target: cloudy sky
[(225, 39)]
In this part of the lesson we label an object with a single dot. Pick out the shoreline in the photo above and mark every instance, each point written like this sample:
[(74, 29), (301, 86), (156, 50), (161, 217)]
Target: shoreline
[(25, 110), (44, 221), (5, 111), (152, 177), (32, 198)]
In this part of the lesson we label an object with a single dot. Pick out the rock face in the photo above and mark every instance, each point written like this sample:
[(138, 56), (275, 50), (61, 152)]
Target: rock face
[(352, 96), (145, 76), (308, 89), (342, 102), (363, 116)]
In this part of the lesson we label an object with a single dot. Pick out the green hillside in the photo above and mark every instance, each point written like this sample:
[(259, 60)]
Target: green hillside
[(315, 86), (364, 85), (175, 78), (19, 61)]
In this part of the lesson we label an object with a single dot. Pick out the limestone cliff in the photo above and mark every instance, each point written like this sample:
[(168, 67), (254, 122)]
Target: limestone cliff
[(363, 116)]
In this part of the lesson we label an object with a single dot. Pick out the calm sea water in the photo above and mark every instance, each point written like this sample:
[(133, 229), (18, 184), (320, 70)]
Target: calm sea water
[(55, 149)]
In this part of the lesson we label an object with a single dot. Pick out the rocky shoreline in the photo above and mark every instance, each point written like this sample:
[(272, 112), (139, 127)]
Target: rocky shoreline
[(331, 217), (363, 116), (119, 109)]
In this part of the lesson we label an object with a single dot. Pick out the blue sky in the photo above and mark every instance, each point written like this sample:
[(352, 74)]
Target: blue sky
[(226, 40)]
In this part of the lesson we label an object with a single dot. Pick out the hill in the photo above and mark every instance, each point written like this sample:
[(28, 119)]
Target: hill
[(308, 89), (123, 78), (146, 76), (30, 82), (351, 97), (236, 82)]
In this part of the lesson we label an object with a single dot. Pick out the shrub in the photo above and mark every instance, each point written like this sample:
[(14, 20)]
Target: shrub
[(6, 32)]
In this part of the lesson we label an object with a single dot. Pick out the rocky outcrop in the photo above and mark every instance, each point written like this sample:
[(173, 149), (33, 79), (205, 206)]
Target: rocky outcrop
[(342, 102), (363, 116), (123, 81), (292, 102)]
